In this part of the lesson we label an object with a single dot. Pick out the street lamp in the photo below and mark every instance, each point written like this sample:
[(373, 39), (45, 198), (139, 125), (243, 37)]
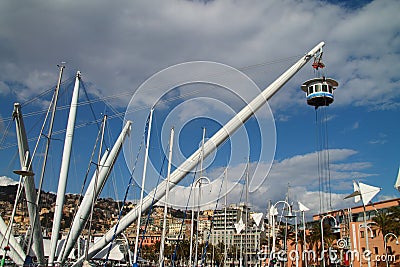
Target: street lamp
[(336, 227), (273, 211), (199, 181), (129, 250), (385, 243), (367, 227), (303, 209)]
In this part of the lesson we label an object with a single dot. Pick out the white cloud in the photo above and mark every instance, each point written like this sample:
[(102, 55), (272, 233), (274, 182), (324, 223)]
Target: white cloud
[(4, 89), (119, 46), (298, 172), (380, 140), (6, 181)]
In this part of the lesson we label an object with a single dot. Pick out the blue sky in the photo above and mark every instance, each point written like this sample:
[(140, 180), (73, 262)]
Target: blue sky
[(119, 47)]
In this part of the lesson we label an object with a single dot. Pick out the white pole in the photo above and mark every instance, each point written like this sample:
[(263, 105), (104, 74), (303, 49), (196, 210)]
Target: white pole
[(80, 217), (171, 142), (191, 262), (305, 242), (247, 215), (272, 252), (199, 198), (359, 244), (297, 247), (217, 139), (366, 235), (85, 207), (322, 237), (62, 181), (16, 253), (96, 178), (142, 189), (322, 243), (241, 251), (225, 210), (129, 250), (29, 184)]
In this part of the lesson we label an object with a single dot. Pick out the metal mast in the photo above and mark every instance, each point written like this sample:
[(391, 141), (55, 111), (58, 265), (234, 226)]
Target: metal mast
[(171, 143), (103, 126), (225, 219), (199, 198), (62, 181), (216, 140), (79, 219), (135, 253), (16, 253), (85, 207), (29, 183)]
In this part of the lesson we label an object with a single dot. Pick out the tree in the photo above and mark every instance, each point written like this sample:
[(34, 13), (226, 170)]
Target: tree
[(314, 239), (388, 222), (383, 221)]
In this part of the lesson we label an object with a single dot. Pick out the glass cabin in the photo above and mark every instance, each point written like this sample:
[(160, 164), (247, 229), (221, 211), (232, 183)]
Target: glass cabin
[(319, 91)]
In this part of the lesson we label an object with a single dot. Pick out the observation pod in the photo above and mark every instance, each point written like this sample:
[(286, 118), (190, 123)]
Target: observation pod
[(319, 91)]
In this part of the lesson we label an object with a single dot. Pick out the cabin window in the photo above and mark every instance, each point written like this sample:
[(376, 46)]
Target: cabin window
[(324, 88), (330, 89), (317, 88), (310, 89)]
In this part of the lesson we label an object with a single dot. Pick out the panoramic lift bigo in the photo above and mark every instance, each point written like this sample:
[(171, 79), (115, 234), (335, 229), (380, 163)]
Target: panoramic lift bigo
[(324, 95)]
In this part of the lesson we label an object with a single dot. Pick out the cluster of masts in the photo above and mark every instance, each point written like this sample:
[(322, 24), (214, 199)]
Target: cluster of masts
[(319, 92)]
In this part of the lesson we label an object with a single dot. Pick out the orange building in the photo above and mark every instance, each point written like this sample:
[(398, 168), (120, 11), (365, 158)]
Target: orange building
[(355, 244), (151, 239)]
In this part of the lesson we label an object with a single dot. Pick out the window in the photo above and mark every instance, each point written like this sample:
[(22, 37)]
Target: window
[(317, 88), (310, 89), (374, 233), (330, 89), (376, 251), (362, 234), (324, 88), (389, 250), (363, 249)]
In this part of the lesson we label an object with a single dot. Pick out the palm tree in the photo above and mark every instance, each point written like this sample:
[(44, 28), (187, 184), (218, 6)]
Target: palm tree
[(388, 222), (314, 239), (383, 221), (181, 249), (394, 214)]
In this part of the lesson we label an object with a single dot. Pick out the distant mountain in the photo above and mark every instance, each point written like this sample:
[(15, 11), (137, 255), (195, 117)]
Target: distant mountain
[(6, 181)]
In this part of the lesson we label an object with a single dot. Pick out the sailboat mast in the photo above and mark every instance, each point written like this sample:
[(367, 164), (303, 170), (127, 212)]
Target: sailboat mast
[(171, 142), (216, 140), (142, 188), (62, 181)]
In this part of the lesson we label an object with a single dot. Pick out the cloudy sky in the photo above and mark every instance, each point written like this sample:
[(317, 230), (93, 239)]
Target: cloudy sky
[(119, 46)]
